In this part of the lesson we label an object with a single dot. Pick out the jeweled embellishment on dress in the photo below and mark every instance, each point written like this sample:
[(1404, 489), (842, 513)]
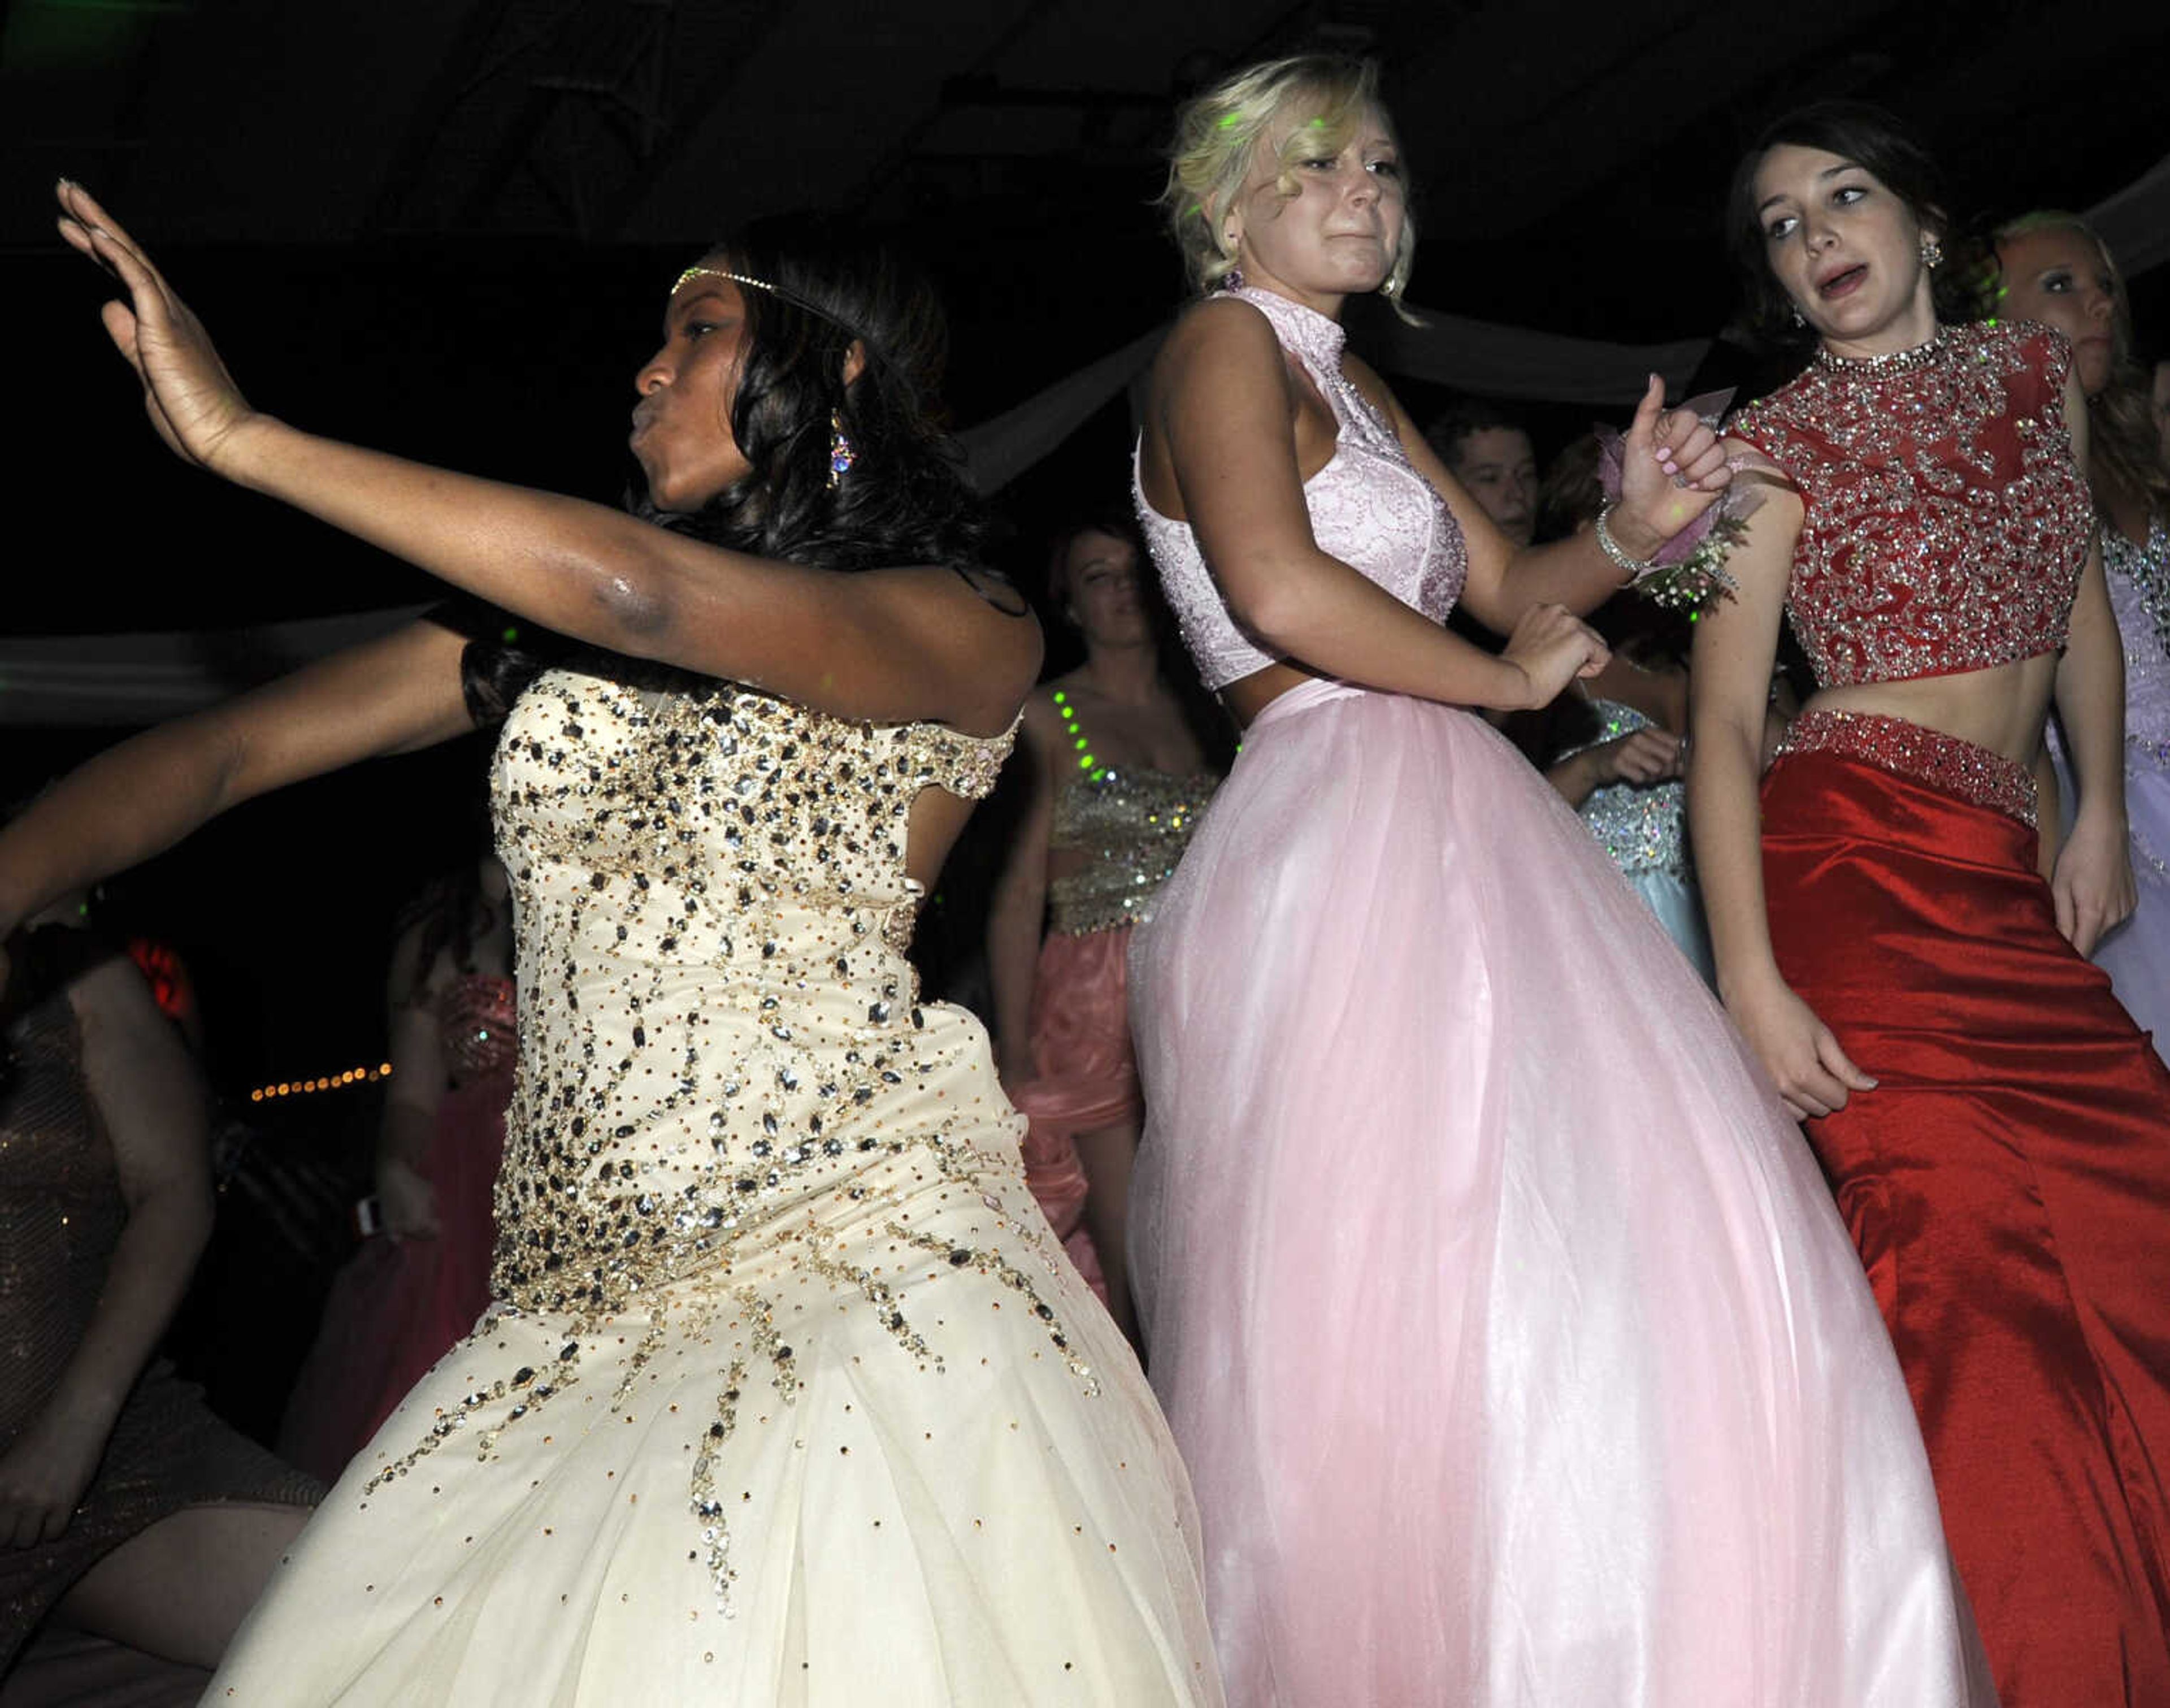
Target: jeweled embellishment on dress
[(725, 1062), (1945, 523), (1957, 766)]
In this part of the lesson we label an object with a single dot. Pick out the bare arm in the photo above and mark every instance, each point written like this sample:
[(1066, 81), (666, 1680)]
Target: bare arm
[(1505, 581), (1729, 691), (1221, 418), (2092, 880), (910, 643), (387, 696), (1018, 909), (146, 1096)]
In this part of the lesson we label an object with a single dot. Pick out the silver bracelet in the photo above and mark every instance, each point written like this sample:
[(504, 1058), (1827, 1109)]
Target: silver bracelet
[(1631, 567)]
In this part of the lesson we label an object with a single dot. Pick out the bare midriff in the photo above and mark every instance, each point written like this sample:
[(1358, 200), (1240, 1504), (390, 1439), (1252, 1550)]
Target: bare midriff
[(2000, 708)]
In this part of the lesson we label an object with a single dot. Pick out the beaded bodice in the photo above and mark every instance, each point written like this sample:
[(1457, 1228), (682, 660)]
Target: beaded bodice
[(1368, 506), (2138, 575), (715, 1009), (1135, 823), (1945, 522), (1644, 830)]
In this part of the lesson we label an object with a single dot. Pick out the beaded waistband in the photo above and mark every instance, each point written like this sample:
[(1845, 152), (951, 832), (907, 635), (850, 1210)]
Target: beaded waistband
[(1955, 766)]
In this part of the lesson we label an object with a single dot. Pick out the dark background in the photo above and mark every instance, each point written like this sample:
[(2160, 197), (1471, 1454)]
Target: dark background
[(446, 227)]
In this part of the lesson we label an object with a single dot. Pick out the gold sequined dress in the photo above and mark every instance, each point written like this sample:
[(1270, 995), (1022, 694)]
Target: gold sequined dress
[(787, 1396)]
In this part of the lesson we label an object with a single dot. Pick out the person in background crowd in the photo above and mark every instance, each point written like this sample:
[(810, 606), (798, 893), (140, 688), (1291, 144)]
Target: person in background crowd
[(1117, 779), (1460, 1211), (417, 1284), (1487, 448), (2053, 270), (126, 1508), (1990, 1117), (1612, 744)]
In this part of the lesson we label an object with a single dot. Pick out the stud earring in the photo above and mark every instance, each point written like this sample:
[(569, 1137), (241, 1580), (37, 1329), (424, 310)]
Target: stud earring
[(1932, 252), (841, 454)]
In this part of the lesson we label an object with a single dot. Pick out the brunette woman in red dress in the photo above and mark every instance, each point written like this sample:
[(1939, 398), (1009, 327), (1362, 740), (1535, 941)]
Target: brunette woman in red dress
[(1992, 1121)]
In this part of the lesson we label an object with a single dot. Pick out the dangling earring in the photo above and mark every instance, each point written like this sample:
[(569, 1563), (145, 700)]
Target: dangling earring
[(1799, 318), (841, 454), (1932, 252)]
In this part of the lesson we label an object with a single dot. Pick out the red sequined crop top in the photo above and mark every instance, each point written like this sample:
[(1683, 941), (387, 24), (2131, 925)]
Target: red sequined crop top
[(1945, 522)]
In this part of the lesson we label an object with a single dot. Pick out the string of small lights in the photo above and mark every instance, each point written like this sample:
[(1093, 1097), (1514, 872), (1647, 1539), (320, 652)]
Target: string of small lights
[(1085, 762), (363, 1075)]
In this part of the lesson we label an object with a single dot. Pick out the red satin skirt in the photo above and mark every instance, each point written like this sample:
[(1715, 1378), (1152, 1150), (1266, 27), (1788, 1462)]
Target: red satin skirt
[(2008, 1184), (1085, 1076)]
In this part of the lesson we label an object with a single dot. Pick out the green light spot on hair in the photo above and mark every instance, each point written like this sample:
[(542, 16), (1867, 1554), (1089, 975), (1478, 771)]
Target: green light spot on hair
[(511, 634), (1228, 121), (1316, 124)]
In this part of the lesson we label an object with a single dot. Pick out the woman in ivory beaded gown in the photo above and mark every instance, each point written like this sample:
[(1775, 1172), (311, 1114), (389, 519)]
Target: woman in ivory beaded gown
[(787, 1396), (1504, 1320)]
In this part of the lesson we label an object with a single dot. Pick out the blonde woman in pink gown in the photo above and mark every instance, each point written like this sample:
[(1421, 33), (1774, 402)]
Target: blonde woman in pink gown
[(1503, 1319)]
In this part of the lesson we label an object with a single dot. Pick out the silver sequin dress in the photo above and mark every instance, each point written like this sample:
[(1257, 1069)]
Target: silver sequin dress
[(788, 1396)]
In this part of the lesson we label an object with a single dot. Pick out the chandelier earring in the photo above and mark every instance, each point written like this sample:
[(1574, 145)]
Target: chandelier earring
[(1932, 252), (841, 454)]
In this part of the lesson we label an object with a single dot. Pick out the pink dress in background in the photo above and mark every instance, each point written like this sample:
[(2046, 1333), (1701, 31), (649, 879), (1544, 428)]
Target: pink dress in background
[(398, 1306), (1133, 822), (1503, 1318)]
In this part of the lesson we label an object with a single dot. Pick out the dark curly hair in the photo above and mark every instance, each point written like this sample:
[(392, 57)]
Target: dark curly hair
[(904, 500), (1873, 140)]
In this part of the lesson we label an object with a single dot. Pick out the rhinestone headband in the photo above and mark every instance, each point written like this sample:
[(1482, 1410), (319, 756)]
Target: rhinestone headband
[(699, 272)]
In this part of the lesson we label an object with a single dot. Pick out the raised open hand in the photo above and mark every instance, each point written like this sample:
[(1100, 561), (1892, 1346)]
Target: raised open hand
[(191, 397), (1673, 468)]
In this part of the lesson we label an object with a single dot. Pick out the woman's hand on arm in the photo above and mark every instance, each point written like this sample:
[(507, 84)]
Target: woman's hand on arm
[(906, 644), (1729, 691), (1223, 408), (1674, 468), (1019, 906), (144, 1091)]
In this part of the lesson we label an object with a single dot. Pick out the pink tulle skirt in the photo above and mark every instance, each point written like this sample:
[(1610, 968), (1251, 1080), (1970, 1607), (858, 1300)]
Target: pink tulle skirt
[(1504, 1322), (396, 1309), (1084, 1077)]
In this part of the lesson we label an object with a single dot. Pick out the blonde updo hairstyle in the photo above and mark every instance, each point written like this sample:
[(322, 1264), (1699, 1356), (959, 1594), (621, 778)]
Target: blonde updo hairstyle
[(1218, 134)]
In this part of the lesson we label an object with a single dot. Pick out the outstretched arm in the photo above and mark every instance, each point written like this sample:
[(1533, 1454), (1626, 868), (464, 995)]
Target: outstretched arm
[(387, 696), (1221, 420), (891, 645), (1728, 690)]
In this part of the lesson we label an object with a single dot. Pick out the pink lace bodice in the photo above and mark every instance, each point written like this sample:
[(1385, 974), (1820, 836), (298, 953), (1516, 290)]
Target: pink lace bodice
[(1369, 507)]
